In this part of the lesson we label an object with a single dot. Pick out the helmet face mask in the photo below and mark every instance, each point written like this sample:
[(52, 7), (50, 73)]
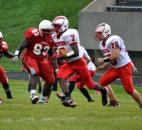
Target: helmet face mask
[(102, 31), (98, 36), (60, 24), (45, 27)]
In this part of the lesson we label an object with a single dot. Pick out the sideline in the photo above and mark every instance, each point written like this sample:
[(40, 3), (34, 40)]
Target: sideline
[(24, 76)]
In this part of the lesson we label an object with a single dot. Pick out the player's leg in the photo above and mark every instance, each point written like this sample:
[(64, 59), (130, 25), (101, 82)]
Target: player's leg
[(29, 89), (82, 70), (127, 81), (39, 85), (109, 76), (71, 86), (64, 72), (113, 100), (84, 91), (5, 84), (55, 85), (46, 72), (46, 92), (105, 80), (32, 68), (72, 80)]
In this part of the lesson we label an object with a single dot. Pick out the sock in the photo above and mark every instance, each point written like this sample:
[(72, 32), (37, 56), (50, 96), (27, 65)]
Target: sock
[(33, 92), (54, 87), (85, 93), (71, 86), (29, 87), (7, 91), (39, 85), (46, 90)]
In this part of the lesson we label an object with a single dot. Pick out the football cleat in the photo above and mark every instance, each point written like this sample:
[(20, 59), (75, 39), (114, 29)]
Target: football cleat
[(68, 102), (113, 103), (34, 99), (104, 97), (91, 100), (60, 96), (43, 100)]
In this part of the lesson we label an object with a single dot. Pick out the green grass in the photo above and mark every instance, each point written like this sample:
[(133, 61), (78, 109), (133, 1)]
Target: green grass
[(20, 114), (18, 15)]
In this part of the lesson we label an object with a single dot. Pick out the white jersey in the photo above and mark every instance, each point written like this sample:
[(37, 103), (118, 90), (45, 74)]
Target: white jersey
[(66, 39), (83, 53), (112, 42)]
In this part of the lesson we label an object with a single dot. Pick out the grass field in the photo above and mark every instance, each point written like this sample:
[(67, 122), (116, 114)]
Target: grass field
[(20, 114), (18, 15)]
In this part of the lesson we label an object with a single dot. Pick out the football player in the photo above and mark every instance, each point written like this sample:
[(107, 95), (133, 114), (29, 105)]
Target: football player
[(67, 41), (115, 54), (80, 84), (37, 42), (76, 79), (3, 78)]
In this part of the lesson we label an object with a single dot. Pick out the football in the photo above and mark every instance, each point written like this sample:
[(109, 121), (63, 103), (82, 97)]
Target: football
[(62, 52)]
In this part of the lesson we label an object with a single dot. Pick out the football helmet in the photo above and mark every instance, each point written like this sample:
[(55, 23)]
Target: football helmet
[(45, 26), (104, 30), (1, 36), (61, 22)]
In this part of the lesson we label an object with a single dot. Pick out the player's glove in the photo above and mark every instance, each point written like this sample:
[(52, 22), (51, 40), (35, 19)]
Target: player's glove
[(56, 71), (14, 59), (135, 70)]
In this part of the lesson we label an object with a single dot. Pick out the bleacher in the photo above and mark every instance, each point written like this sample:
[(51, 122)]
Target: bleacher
[(126, 6)]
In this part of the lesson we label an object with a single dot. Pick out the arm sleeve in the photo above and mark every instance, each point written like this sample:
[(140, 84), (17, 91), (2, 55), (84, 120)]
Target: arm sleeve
[(8, 54), (29, 36), (22, 46)]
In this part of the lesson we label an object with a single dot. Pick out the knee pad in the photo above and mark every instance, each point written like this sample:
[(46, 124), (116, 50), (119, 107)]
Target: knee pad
[(34, 71)]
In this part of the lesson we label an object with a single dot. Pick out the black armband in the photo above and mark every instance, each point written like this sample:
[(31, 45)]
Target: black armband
[(106, 59), (72, 56)]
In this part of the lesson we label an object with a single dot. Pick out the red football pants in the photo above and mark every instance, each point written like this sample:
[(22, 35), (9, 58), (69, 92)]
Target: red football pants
[(40, 68), (79, 67), (3, 77), (125, 75)]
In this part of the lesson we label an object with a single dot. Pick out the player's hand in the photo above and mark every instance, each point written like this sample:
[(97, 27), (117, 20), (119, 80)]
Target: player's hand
[(135, 70), (100, 60), (99, 68), (56, 71), (62, 52), (14, 59)]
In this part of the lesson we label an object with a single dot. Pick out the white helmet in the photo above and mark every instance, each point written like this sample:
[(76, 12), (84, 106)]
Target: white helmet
[(104, 28), (45, 25), (62, 21), (1, 36)]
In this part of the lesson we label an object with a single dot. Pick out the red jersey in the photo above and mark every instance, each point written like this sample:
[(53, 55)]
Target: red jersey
[(3, 48), (39, 46)]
